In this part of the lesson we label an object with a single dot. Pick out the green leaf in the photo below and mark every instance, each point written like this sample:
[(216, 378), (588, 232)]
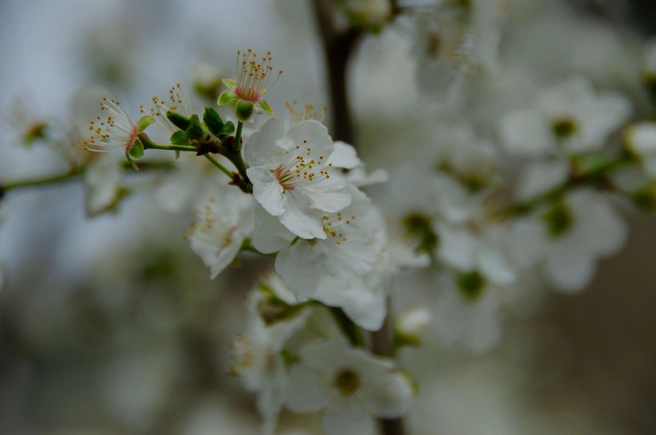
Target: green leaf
[(213, 121), (231, 84), (226, 97), (180, 121), (265, 107), (244, 110), (179, 138), (195, 129), (136, 150), (228, 128), (144, 122)]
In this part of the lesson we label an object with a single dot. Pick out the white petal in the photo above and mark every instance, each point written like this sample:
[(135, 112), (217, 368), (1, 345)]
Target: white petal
[(641, 138), (262, 144), (225, 256), (365, 306), (494, 266), (526, 134), (306, 390), (537, 178), (101, 182), (330, 195), (599, 228), (300, 267), (527, 243), (344, 156), (326, 356), (301, 220), (313, 135), (457, 247), (569, 268), (392, 395), (267, 190), (270, 235), (352, 257), (348, 421)]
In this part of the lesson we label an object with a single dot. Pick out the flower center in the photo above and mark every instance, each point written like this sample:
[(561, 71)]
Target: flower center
[(564, 128), (559, 220), (419, 229), (471, 285), (347, 382)]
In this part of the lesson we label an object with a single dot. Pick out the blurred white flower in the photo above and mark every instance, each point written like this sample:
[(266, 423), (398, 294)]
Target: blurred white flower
[(569, 236), (115, 130), (411, 324), (258, 359), (640, 140), (467, 312), (349, 386), (291, 177), (570, 116), (221, 226)]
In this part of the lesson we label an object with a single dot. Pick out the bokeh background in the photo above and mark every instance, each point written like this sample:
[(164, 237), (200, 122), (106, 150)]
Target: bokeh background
[(111, 326)]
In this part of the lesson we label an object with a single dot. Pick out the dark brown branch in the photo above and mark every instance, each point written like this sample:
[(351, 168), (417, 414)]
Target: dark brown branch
[(338, 45)]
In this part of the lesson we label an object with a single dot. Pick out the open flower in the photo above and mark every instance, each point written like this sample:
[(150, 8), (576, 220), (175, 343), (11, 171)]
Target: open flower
[(570, 115), (568, 237), (348, 386), (292, 177), (258, 358), (346, 251), (220, 228), (175, 102), (116, 131), (252, 83)]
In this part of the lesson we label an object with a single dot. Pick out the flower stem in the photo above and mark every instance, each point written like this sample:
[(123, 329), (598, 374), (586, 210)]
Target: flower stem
[(237, 145), (71, 175), (216, 163), (154, 146)]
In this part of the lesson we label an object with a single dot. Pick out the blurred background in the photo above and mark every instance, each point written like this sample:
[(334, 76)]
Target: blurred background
[(111, 325)]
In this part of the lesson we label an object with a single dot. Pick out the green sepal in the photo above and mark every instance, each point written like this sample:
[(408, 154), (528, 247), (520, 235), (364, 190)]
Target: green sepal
[(228, 128), (180, 138), (195, 129), (144, 122), (213, 121), (230, 84), (265, 107), (244, 110), (136, 150), (180, 121), (226, 97)]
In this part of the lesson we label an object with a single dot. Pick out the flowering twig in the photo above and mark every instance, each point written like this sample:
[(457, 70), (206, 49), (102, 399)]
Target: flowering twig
[(72, 175)]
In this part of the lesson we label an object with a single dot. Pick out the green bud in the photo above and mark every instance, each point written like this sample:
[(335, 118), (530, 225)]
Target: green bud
[(213, 121), (180, 121), (195, 129)]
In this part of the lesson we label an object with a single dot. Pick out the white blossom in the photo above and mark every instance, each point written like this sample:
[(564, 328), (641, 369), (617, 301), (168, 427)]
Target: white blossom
[(568, 237), (291, 177), (347, 250), (220, 227), (570, 116), (349, 386), (258, 359), (640, 140)]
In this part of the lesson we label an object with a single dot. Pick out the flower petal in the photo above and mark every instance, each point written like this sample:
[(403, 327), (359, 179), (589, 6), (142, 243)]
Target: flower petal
[(267, 190), (306, 391)]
